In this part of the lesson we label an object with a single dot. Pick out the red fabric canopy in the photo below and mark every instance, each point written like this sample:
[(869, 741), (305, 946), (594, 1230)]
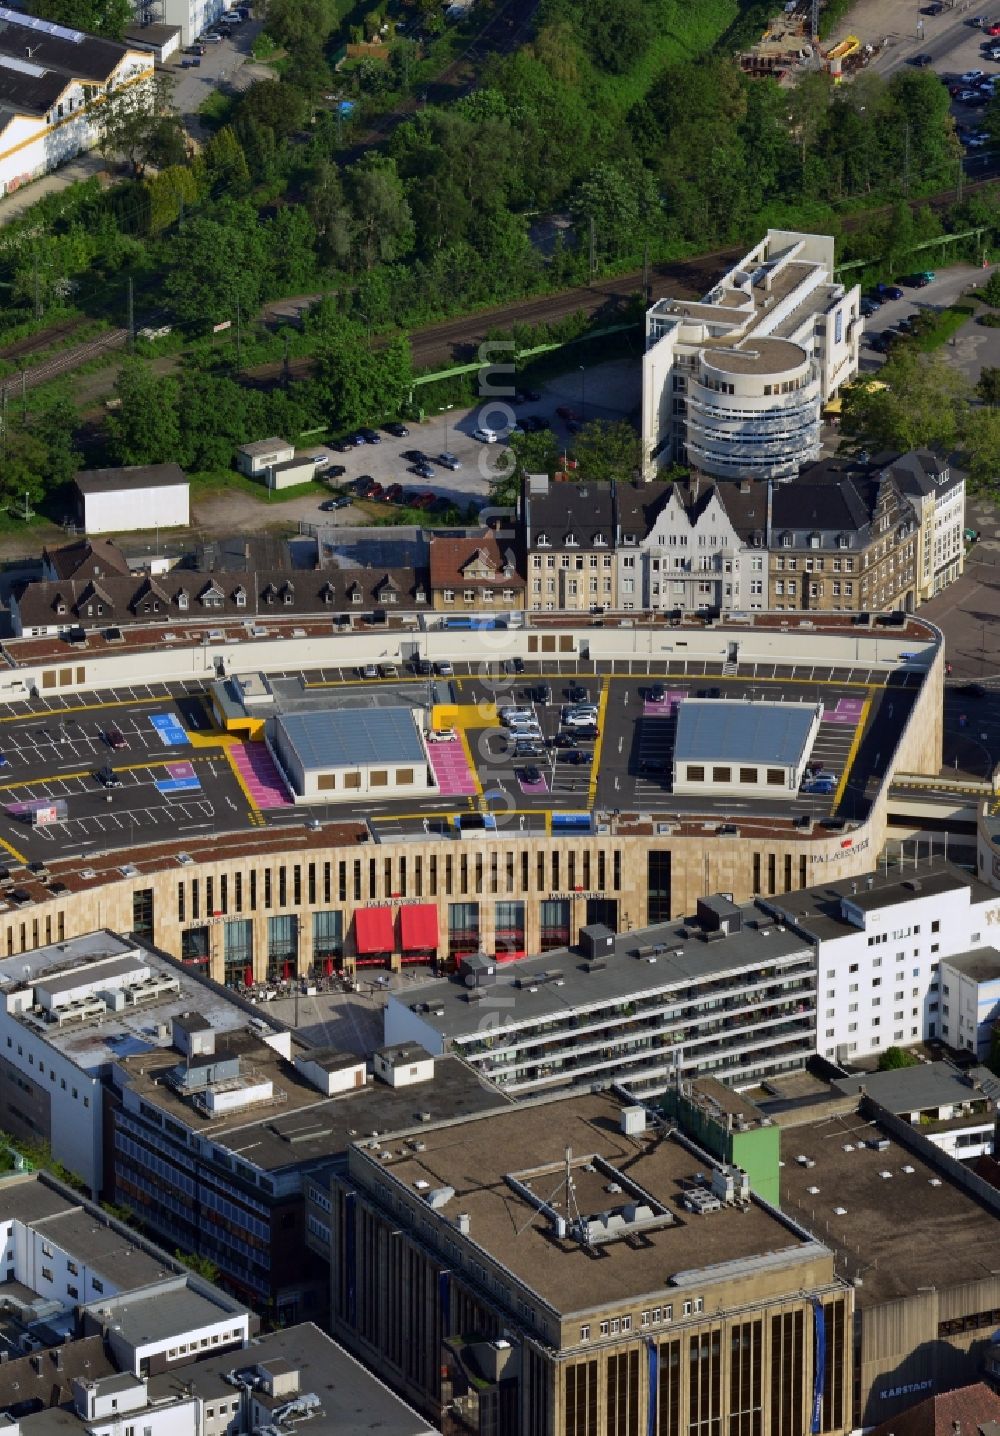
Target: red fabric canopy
[(373, 930), (419, 926)]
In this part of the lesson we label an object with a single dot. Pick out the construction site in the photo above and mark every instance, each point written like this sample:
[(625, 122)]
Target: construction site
[(790, 47)]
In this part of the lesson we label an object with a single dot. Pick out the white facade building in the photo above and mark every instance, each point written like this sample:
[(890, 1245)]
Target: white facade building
[(134, 499), (734, 384), (970, 1000), (881, 947), (52, 80), (693, 558)]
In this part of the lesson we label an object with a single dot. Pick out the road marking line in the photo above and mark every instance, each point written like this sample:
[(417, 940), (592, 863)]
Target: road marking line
[(852, 753), (595, 762)]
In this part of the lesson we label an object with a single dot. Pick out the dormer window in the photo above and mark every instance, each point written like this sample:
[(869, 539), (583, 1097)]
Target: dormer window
[(288, 595), (356, 597), (814, 540), (843, 541), (571, 541), (60, 607), (240, 597), (420, 596), (182, 600), (600, 541), (786, 540), (630, 539), (543, 541)]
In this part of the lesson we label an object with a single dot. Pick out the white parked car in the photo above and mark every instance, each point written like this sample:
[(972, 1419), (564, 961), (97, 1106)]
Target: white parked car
[(486, 436), (442, 735), (448, 460)]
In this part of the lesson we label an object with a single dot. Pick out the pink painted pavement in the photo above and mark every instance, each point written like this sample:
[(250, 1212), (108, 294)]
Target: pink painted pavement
[(258, 770), (451, 769)]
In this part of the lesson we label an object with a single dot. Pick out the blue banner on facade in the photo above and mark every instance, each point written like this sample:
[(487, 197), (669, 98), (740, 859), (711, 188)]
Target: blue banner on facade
[(444, 1301), (819, 1363), (653, 1376)]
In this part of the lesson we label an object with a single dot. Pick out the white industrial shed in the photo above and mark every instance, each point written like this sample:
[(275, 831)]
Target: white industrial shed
[(730, 746), (343, 754), (145, 496)]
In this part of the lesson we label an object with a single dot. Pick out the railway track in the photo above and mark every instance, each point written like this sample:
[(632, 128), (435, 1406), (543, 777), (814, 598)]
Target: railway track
[(62, 363)]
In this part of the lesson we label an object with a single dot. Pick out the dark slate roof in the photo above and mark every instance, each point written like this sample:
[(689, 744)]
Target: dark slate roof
[(581, 510), (43, 59), (89, 558), (29, 94), (71, 53), (137, 476), (639, 505), (920, 472), (184, 595)]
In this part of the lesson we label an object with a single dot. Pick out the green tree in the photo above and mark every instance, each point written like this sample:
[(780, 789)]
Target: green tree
[(893, 1058), (53, 425), (988, 387), (137, 126), (620, 201), (329, 212), (533, 454), (356, 383), (922, 404), (383, 222), (215, 416), (980, 444), (606, 451), (217, 268), (99, 17), (201, 1265), (23, 469), (145, 428)]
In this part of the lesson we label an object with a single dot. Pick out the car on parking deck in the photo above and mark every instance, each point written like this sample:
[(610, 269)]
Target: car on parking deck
[(422, 471), (369, 670), (444, 668), (971, 690), (398, 431), (576, 693), (107, 777), (531, 774), (823, 786), (422, 667), (566, 412), (394, 493), (534, 424), (562, 740), (329, 505), (657, 694), (935, 8), (115, 738), (575, 757), (442, 735), (448, 460), (415, 456), (528, 748), (975, 142), (869, 306), (922, 279)]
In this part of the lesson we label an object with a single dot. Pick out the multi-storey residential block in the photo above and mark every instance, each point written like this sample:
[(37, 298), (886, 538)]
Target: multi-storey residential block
[(732, 994), (882, 944), (568, 533), (733, 385)]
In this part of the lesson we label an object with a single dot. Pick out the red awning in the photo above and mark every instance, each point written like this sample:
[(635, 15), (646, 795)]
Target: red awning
[(373, 930), (419, 927)]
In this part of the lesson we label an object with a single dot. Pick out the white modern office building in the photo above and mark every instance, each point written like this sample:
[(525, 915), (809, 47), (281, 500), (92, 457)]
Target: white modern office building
[(733, 385), (883, 946)]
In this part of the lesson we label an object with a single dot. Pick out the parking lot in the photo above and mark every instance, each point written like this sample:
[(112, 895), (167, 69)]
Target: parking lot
[(148, 765), (107, 773), (606, 391)]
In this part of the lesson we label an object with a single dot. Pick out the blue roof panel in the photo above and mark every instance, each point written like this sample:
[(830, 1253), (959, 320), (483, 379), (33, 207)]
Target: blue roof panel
[(728, 731)]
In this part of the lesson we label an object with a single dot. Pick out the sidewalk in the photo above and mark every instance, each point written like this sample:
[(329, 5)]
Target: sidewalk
[(84, 167)]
